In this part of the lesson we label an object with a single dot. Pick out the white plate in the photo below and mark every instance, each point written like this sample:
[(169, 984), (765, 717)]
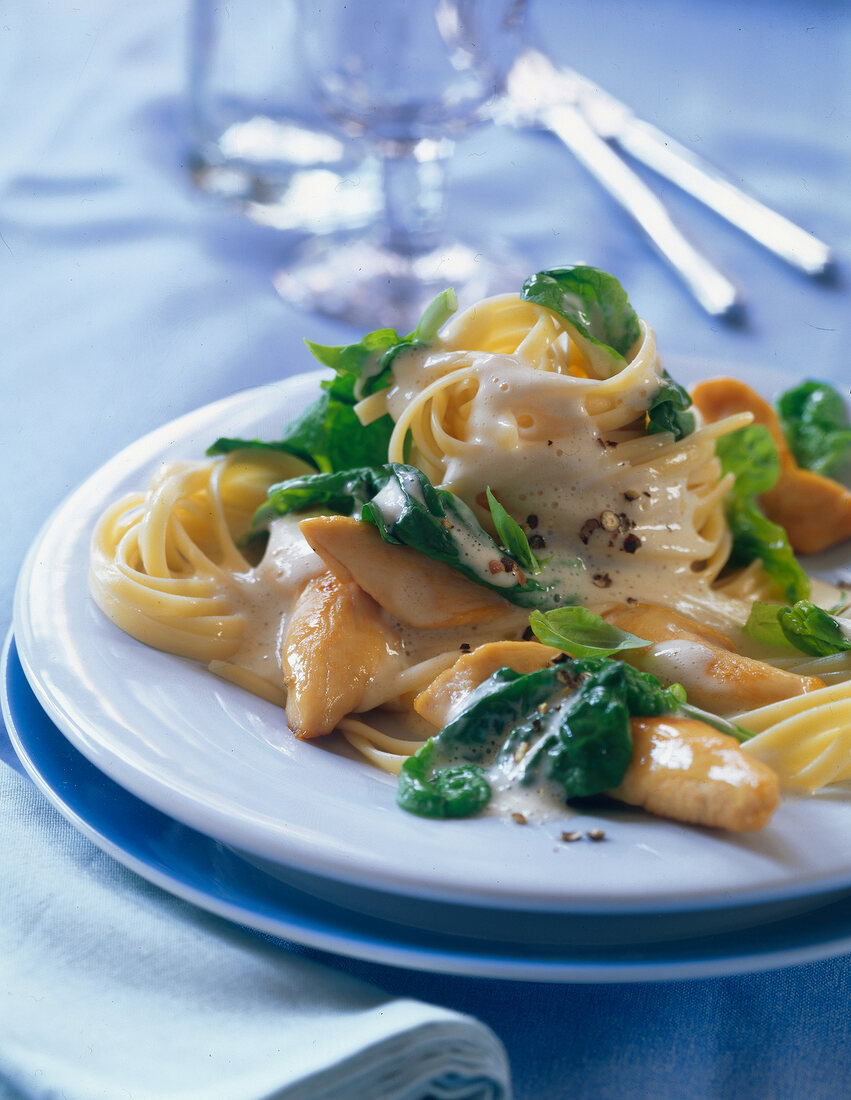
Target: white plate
[(223, 762), (198, 869)]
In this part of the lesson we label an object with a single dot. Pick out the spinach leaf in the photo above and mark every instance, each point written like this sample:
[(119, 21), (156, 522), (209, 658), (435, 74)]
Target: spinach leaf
[(750, 454), (328, 434), (408, 511), (595, 309), (646, 697), (763, 624), (645, 694), (803, 625), (582, 741), (815, 423), (470, 743), (513, 537), (343, 491), (367, 364), (581, 633), (754, 536), (593, 746), (459, 791), (814, 631), (490, 712), (412, 512), (668, 410), (566, 724)]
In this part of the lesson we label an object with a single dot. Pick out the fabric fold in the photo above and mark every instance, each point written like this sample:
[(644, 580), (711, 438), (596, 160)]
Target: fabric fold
[(109, 987)]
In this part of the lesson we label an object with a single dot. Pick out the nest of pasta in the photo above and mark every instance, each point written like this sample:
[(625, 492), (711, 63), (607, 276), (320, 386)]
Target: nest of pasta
[(507, 553)]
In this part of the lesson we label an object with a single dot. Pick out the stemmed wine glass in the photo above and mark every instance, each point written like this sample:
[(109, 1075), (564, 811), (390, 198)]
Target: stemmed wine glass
[(407, 76)]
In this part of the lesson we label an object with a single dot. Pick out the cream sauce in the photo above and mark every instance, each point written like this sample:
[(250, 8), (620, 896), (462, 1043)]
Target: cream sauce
[(536, 802), (478, 555), (265, 595), (541, 441), (390, 502)]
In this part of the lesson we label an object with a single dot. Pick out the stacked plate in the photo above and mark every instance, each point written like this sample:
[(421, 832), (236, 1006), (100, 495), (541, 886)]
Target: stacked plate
[(201, 789)]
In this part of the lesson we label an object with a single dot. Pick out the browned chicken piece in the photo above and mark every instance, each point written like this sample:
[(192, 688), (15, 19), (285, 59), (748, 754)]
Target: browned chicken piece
[(685, 770), (814, 510), (660, 624), (337, 641), (441, 699), (717, 680), (411, 587), (704, 661)]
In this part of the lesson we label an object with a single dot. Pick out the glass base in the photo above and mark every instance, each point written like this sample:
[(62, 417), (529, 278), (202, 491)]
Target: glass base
[(368, 286), (288, 176)]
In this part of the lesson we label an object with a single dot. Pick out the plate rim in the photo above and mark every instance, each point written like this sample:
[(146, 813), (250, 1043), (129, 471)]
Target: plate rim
[(374, 947)]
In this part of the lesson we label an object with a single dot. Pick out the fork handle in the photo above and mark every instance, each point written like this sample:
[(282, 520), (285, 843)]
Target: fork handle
[(709, 286), (698, 178)]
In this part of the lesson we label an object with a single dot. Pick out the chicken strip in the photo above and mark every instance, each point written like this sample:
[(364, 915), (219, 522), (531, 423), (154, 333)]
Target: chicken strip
[(413, 588), (660, 624), (443, 698), (337, 642), (814, 510), (717, 680), (685, 770), (704, 661)]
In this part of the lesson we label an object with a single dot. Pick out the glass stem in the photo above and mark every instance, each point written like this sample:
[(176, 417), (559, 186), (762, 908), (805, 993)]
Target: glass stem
[(414, 179)]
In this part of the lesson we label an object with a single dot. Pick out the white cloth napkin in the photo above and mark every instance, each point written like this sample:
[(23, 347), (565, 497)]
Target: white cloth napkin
[(111, 988)]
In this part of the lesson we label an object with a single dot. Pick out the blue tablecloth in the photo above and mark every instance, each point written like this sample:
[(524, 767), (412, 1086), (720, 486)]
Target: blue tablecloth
[(127, 298)]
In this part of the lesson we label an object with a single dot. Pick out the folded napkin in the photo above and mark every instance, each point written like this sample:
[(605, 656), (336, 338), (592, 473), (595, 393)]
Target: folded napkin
[(110, 987)]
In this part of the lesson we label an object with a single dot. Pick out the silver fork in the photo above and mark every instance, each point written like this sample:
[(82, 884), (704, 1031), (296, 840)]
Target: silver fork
[(587, 120)]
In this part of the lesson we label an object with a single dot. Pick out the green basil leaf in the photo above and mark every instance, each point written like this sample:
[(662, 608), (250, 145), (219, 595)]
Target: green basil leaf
[(750, 454), (367, 364), (328, 434), (435, 316), (815, 422), (803, 626), (814, 631), (364, 361), (763, 624), (581, 633), (595, 309), (755, 536), (668, 411), (512, 536)]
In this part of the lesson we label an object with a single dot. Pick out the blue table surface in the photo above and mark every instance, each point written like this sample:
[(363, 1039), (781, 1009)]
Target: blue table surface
[(128, 299)]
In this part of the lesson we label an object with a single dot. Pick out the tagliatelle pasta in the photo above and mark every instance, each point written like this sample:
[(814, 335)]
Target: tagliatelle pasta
[(165, 564), (506, 399)]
